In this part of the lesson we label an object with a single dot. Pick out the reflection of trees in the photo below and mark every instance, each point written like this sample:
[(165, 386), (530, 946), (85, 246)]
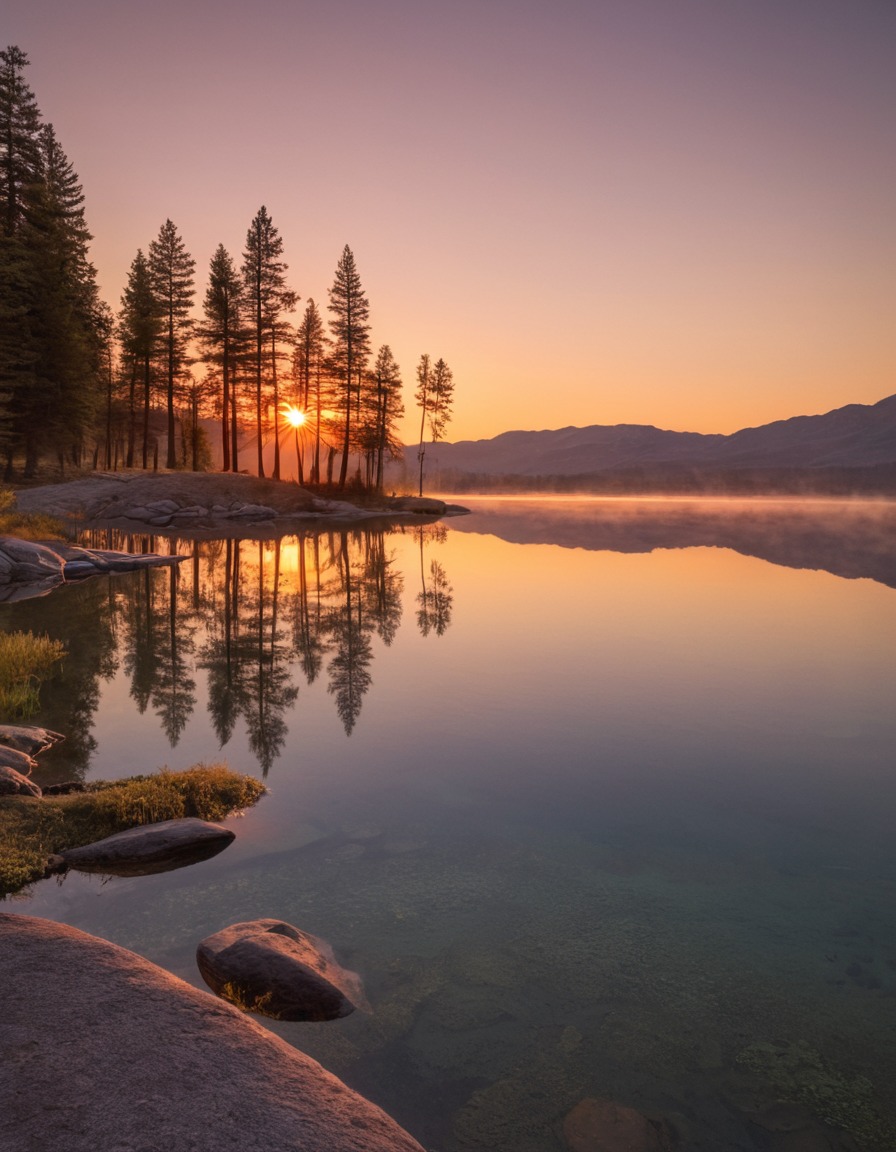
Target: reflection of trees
[(308, 627), (266, 688), (435, 599), (159, 647), (84, 617), (255, 617), (173, 694), (220, 605), (350, 628)]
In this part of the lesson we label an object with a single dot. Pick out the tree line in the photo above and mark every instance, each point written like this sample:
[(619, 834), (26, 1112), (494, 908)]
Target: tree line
[(85, 385)]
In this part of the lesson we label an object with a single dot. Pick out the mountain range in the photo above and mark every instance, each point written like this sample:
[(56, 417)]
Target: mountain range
[(856, 437)]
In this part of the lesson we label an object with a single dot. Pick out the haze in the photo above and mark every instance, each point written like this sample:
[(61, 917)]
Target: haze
[(643, 211)]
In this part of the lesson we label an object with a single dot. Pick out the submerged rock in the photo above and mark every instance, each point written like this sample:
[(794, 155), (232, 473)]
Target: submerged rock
[(276, 970), (151, 848), (604, 1126), (13, 783), (188, 1070)]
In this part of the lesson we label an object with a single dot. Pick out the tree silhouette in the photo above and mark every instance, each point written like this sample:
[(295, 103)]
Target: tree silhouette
[(171, 273), (351, 345)]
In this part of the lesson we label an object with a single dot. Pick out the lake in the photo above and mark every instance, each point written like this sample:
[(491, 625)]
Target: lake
[(597, 796)]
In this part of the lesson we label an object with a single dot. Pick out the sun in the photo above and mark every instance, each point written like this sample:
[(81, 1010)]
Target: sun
[(294, 416)]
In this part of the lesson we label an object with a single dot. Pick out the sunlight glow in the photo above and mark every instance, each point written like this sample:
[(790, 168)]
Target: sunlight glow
[(294, 416)]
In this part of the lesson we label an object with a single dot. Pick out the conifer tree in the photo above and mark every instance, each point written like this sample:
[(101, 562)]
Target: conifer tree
[(19, 143), (267, 297), (434, 396), (171, 271), (309, 359), (351, 344), (223, 339), (385, 408), (139, 328)]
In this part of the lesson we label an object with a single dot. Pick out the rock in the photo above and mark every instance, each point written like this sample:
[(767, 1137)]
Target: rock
[(425, 505), (28, 561), (20, 762), (605, 1126), (13, 783), (253, 511), (66, 788), (28, 739), (274, 969), (151, 848), (102, 1050)]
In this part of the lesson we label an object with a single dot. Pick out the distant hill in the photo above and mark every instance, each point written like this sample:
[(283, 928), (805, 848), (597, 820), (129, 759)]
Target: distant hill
[(851, 448)]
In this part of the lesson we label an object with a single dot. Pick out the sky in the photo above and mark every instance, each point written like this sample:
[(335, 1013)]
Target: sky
[(668, 212)]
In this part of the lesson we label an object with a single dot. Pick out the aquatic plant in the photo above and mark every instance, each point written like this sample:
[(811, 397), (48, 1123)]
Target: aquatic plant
[(800, 1074), (26, 661)]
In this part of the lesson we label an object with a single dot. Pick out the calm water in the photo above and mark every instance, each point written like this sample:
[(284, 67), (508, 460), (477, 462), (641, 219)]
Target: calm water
[(598, 797)]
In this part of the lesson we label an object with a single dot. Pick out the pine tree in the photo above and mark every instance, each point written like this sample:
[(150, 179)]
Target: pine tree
[(223, 339), (19, 141), (267, 297), (351, 344), (384, 409), (434, 396), (309, 360), (140, 325), (171, 271)]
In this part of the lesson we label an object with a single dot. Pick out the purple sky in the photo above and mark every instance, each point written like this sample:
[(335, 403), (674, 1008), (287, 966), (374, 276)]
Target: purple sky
[(676, 212)]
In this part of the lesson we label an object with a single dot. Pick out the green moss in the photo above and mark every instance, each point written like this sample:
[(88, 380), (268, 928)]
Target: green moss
[(26, 661), (31, 829), (800, 1074)]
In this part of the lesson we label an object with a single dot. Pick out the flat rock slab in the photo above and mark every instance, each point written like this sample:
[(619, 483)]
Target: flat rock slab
[(102, 1050), (20, 762), (28, 738), (151, 848), (29, 568), (274, 969)]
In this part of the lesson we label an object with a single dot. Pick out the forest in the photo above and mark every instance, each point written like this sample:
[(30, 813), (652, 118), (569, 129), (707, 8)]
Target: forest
[(177, 377)]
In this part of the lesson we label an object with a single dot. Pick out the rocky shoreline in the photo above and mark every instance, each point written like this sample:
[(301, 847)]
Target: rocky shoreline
[(208, 502), (102, 1049)]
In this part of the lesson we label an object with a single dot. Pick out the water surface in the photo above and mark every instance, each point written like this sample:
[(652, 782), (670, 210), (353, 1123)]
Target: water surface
[(597, 796)]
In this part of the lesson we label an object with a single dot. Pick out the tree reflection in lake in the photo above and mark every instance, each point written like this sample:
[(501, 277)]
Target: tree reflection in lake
[(259, 618), (435, 599)]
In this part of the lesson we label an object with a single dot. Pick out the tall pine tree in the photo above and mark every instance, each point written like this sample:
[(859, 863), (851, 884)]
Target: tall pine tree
[(351, 344), (223, 340), (267, 297), (171, 271)]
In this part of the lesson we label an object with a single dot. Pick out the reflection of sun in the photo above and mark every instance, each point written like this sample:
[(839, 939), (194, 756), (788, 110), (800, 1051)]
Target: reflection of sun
[(294, 416)]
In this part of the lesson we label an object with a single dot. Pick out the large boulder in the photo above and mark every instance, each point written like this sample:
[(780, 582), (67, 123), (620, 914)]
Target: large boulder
[(13, 783), (274, 969), (151, 848), (102, 1050)]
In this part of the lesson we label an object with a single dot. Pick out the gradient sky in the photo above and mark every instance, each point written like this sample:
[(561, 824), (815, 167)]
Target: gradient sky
[(671, 212)]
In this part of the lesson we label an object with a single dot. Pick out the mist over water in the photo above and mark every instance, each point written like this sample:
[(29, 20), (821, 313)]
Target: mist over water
[(597, 796)]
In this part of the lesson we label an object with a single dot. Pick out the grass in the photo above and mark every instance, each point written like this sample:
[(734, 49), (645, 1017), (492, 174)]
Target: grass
[(26, 661), (31, 830), (27, 525)]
